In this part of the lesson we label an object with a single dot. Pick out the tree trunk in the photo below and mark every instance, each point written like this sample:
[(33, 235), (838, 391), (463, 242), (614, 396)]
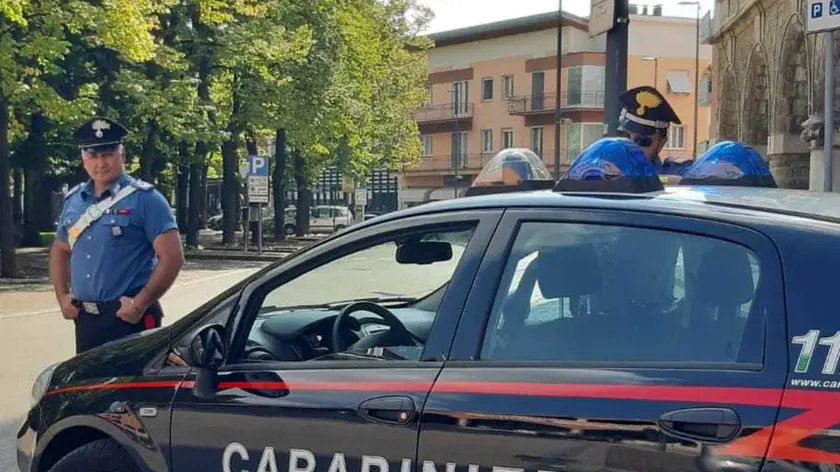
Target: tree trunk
[(304, 198), (251, 145), (17, 199), (202, 220), (147, 158), (230, 190), (279, 185), (33, 173), (8, 265), (196, 170), (181, 192)]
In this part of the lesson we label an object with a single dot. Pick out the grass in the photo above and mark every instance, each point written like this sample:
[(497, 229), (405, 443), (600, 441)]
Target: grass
[(47, 238)]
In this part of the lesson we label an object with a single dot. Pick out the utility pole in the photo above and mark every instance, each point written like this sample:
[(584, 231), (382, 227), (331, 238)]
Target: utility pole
[(558, 99), (615, 70)]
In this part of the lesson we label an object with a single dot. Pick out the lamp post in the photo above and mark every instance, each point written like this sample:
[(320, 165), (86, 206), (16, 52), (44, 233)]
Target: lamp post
[(655, 61), (696, 74), (557, 98)]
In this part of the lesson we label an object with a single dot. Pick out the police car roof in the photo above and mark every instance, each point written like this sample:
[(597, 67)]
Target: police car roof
[(705, 200)]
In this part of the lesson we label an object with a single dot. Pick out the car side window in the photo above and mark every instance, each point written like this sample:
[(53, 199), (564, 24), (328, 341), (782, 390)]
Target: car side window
[(600, 293), (402, 279)]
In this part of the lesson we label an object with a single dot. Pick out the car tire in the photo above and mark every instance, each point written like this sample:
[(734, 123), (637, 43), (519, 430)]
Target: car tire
[(103, 455), (290, 230)]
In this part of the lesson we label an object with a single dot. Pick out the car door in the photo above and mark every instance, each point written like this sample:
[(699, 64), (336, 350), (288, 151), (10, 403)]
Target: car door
[(613, 341), (287, 397)]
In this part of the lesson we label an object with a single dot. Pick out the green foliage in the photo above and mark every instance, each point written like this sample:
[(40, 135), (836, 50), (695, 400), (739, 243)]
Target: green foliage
[(341, 76)]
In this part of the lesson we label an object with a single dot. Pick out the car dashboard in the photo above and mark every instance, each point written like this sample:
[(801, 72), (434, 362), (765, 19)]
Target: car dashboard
[(306, 334)]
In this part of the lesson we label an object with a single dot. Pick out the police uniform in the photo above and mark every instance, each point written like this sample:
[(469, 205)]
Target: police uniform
[(111, 239), (646, 112)]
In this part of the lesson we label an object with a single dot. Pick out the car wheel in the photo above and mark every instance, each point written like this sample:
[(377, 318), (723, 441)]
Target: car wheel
[(104, 455), (290, 230)]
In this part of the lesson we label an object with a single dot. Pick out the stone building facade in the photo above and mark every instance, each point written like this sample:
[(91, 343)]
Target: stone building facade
[(770, 76)]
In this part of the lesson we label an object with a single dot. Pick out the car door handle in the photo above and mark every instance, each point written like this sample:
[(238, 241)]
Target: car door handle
[(702, 424), (390, 410)]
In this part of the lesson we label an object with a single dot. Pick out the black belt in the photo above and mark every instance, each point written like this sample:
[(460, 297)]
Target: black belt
[(99, 307)]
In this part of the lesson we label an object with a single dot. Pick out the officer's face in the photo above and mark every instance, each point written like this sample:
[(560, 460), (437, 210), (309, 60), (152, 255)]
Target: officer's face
[(103, 166)]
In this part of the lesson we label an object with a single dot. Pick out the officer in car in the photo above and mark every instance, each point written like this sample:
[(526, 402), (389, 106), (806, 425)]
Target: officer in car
[(645, 118), (730, 163), (117, 248)]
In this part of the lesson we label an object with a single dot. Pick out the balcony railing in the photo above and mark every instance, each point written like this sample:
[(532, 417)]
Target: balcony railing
[(470, 163), (546, 103), (448, 112)]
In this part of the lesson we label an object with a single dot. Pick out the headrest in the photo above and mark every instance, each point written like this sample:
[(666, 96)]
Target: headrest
[(568, 271), (725, 275)]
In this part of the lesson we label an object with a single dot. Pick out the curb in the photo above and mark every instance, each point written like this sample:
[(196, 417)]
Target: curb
[(234, 256), (30, 281)]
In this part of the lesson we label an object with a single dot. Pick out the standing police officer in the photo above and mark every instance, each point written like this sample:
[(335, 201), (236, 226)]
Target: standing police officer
[(645, 118), (117, 249)]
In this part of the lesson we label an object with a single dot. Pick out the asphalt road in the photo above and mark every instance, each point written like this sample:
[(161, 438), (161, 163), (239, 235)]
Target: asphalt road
[(33, 335)]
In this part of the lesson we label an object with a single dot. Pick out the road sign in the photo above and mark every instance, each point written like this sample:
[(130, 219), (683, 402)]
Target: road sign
[(823, 15), (361, 196), (601, 16), (258, 189), (259, 165)]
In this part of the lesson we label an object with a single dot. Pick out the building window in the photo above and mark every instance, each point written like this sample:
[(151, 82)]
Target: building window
[(705, 98), (487, 140), (427, 145), (676, 137), (459, 149), (579, 136), (460, 97), (507, 138), (585, 86), (487, 89), (508, 84), (537, 140), (679, 82), (429, 96)]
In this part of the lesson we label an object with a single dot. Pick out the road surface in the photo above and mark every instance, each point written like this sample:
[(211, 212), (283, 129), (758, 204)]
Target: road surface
[(33, 335)]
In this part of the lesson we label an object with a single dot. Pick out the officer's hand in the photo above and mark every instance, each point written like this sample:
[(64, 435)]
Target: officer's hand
[(128, 312), (68, 310)]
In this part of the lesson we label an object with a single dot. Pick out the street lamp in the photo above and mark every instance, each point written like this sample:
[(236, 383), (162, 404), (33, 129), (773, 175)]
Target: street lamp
[(655, 61), (696, 73)]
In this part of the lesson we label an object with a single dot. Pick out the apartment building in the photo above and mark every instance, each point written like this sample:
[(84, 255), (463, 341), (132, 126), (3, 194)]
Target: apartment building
[(493, 87)]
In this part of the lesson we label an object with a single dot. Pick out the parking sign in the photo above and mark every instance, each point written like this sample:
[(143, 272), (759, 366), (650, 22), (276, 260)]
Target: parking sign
[(259, 165), (823, 15)]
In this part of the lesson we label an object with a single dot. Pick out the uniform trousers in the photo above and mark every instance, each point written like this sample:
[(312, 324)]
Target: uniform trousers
[(93, 330)]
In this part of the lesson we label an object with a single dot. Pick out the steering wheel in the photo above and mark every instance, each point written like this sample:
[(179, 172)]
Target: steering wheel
[(397, 328)]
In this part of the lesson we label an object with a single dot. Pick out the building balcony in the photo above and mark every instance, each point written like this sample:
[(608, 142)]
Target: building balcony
[(444, 118), (526, 105), (446, 163), (469, 164)]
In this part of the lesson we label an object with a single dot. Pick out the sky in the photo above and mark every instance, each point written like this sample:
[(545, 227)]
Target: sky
[(454, 14)]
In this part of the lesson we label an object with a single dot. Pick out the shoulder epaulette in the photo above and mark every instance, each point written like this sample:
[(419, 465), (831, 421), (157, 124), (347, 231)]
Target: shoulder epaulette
[(145, 186), (72, 191)]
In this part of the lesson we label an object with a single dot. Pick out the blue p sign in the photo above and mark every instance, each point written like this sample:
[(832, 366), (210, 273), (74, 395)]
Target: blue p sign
[(257, 165), (817, 10)]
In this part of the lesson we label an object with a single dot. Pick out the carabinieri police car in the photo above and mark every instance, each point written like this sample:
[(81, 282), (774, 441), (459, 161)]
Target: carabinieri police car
[(603, 324)]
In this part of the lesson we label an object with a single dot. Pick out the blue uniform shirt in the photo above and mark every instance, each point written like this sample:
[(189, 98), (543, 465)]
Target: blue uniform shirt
[(115, 254)]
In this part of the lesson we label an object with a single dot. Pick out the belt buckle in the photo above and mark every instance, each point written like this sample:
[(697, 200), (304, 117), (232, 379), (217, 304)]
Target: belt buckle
[(91, 308)]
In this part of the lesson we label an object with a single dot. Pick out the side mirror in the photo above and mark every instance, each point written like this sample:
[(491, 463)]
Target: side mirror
[(207, 350), (424, 252)]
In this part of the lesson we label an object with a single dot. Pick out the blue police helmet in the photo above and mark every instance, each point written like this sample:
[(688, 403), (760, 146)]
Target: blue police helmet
[(730, 163), (611, 165)]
